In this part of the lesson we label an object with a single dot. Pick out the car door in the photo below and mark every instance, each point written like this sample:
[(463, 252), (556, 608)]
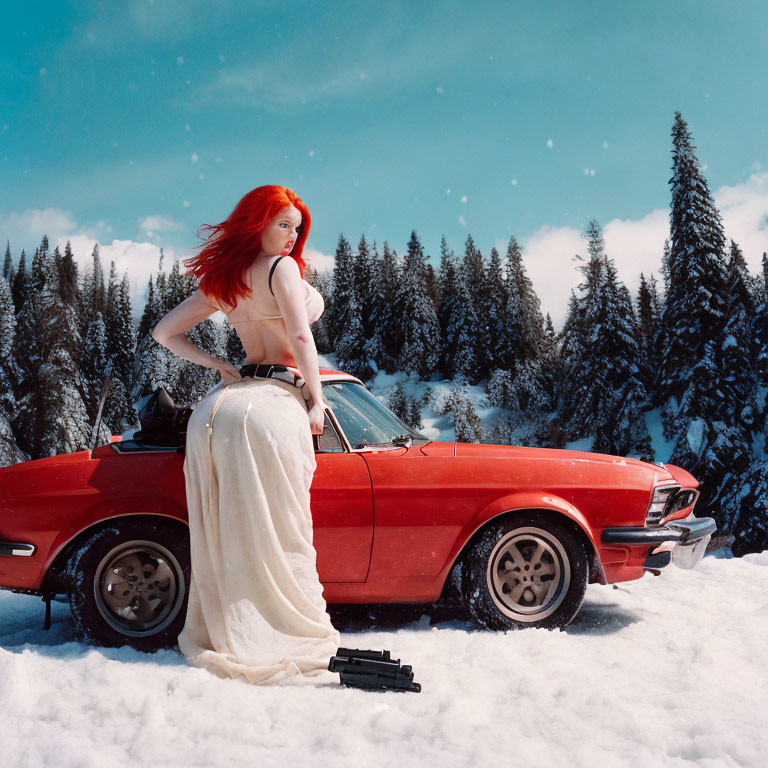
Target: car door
[(420, 509), (342, 510)]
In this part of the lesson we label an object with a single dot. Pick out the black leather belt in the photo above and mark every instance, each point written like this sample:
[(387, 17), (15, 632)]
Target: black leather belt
[(275, 371)]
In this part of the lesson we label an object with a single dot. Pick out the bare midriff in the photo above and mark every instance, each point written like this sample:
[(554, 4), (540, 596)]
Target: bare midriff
[(264, 340)]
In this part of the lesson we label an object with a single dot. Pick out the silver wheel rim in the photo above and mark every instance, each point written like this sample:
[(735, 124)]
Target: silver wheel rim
[(139, 588), (528, 574)]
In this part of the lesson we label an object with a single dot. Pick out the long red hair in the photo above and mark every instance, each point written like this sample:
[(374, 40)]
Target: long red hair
[(233, 245)]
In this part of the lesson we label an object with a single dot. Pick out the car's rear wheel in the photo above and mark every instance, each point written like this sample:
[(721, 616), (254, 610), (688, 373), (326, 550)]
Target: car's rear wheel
[(526, 570), (127, 584)]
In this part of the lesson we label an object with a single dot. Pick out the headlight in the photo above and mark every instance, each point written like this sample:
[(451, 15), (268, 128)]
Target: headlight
[(662, 494), (668, 499)]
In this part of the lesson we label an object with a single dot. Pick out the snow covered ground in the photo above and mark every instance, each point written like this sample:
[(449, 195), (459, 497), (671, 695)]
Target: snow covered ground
[(663, 671)]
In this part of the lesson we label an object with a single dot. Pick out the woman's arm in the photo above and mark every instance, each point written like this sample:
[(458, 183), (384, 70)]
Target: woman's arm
[(289, 291), (171, 329)]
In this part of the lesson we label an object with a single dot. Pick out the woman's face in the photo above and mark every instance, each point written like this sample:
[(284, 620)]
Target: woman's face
[(280, 234)]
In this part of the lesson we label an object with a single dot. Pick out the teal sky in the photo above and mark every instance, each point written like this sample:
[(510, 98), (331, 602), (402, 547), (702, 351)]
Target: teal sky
[(141, 120)]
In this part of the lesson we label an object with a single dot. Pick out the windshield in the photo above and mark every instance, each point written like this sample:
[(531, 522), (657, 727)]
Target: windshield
[(363, 418)]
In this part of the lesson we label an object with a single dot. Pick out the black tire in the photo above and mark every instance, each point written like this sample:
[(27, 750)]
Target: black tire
[(526, 570), (150, 573)]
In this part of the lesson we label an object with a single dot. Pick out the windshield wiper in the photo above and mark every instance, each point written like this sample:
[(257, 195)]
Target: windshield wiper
[(397, 440)]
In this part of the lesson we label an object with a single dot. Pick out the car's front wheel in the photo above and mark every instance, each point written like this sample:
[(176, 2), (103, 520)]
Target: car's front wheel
[(526, 570), (127, 584)]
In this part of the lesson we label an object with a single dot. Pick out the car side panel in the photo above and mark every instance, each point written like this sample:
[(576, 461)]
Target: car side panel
[(427, 507)]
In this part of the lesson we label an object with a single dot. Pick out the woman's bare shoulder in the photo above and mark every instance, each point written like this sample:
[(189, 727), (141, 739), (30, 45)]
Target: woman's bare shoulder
[(286, 273)]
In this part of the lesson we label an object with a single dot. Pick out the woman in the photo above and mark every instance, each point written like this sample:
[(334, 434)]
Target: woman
[(256, 606)]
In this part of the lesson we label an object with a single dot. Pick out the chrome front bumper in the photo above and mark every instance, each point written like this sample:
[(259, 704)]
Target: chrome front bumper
[(682, 542)]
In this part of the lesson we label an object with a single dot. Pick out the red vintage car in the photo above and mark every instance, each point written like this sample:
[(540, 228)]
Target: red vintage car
[(515, 533)]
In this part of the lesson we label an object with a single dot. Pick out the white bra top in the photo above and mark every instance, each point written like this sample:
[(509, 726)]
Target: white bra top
[(314, 301)]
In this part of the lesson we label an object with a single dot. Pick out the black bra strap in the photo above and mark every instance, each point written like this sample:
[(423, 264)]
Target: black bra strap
[(272, 269)]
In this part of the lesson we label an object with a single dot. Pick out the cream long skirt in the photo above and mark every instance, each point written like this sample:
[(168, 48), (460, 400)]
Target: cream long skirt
[(256, 606)]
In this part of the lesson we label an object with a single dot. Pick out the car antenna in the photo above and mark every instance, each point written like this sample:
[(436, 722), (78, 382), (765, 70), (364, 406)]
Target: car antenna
[(97, 424)]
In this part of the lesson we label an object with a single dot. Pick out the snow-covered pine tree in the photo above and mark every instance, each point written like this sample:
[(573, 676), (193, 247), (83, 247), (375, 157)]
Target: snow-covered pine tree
[(351, 350), (119, 414), (697, 414), (737, 391), (649, 322), (737, 359), (384, 320), (124, 334), (459, 407), (10, 453), (602, 392), (19, 284), (461, 340), (319, 328), (348, 335), (8, 265), (68, 278), (695, 302), (431, 283), (496, 301), (52, 417), (420, 347), (189, 382), (477, 287), (161, 279), (26, 354), (343, 288), (93, 293), (152, 360), (750, 526), (446, 309), (760, 344), (551, 366), (524, 347), (93, 363), (363, 277), (397, 402), (622, 429), (414, 407)]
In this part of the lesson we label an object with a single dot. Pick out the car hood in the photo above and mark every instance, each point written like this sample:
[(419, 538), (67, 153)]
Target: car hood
[(481, 450)]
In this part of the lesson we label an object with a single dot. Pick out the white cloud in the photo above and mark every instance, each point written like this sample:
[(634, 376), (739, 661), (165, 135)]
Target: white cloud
[(158, 223), (25, 229), (550, 257), (139, 259), (636, 246), (744, 208), (318, 260)]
